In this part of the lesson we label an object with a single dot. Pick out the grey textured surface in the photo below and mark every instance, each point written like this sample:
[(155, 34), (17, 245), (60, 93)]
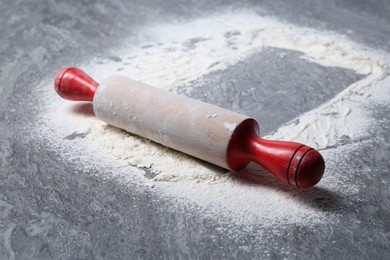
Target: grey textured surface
[(50, 209)]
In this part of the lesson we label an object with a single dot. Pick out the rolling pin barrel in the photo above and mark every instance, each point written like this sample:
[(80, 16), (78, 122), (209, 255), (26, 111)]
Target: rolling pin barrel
[(184, 124), (205, 131)]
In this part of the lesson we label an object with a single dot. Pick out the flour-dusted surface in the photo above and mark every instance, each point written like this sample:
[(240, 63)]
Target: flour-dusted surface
[(73, 187), (196, 183)]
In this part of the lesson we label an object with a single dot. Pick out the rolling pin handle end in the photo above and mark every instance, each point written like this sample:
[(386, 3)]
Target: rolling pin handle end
[(74, 84), (295, 164)]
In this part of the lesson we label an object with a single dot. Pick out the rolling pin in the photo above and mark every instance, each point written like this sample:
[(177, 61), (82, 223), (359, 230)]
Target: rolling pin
[(213, 134)]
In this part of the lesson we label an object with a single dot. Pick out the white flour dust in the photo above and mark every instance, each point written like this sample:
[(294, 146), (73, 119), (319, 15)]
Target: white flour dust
[(173, 55), (230, 127)]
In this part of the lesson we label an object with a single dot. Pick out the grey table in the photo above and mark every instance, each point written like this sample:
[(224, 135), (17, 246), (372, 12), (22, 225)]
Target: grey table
[(33, 226)]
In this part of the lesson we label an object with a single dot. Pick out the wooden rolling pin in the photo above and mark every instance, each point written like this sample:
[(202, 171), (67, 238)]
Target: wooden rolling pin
[(205, 131)]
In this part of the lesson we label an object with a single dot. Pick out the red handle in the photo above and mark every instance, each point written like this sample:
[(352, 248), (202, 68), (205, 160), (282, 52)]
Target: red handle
[(74, 84), (295, 164)]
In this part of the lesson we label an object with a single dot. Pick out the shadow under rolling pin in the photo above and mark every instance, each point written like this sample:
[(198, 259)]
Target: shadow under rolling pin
[(205, 131)]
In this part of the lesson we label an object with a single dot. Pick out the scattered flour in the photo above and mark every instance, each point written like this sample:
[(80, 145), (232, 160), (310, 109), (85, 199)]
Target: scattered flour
[(172, 55), (230, 127)]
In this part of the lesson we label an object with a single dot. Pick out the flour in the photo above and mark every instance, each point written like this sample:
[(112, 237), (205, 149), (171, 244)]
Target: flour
[(230, 127), (174, 55)]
